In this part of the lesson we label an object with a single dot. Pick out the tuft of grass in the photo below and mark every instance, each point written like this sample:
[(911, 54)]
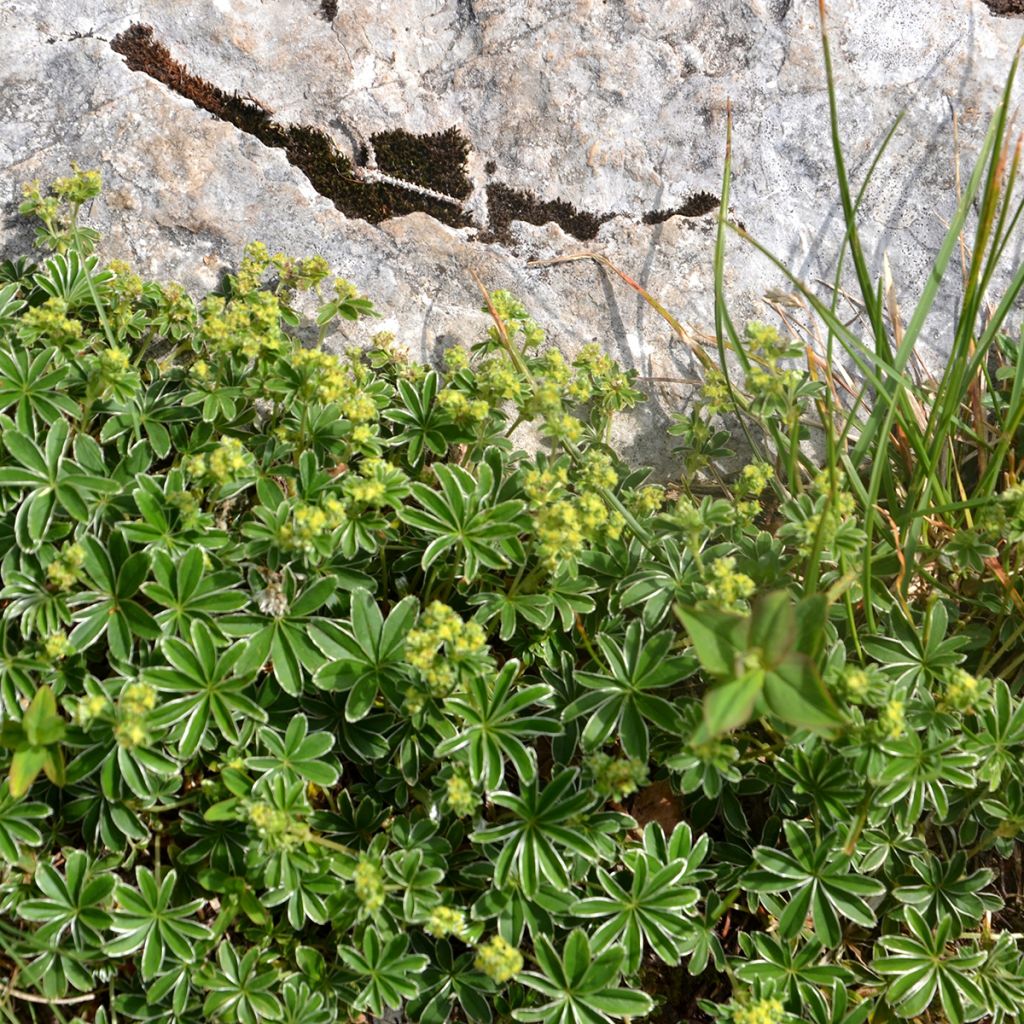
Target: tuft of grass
[(919, 457)]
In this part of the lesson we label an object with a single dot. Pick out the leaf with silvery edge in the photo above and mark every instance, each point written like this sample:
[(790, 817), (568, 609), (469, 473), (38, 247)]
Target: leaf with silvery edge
[(463, 514), (922, 966), (364, 653), (620, 700), (493, 726), (146, 920), (539, 830), (385, 969), (820, 883), (580, 987)]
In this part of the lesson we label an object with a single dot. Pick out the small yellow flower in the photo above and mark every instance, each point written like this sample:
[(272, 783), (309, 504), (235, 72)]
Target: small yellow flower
[(445, 921), (764, 1011), (499, 960), (892, 720)]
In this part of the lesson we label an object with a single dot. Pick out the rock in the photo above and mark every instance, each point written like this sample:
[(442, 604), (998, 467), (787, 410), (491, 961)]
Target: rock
[(597, 114)]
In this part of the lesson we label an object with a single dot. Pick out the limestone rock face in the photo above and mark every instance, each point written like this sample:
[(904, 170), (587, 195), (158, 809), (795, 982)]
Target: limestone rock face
[(614, 107)]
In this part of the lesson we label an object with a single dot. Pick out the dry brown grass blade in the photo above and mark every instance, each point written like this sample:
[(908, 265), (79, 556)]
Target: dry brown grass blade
[(686, 336)]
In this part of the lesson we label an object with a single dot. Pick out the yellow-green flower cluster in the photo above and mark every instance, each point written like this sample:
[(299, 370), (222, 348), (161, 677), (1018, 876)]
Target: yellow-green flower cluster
[(255, 262), (856, 684), (818, 522), (136, 701), (278, 829), (187, 505), (369, 884), (63, 571), (441, 644), (767, 379), (138, 698), (763, 1011), (498, 381), (249, 326), (461, 407), (647, 501), (750, 485), (50, 323), (726, 587), (499, 960), (597, 471), (445, 921), (559, 533), (300, 274), (325, 378), (56, 647), (175, 312), (460, 795), (89, 708), (616, 777), (115, 361), (45, 208), (456, 358), (964, 691), (715, 393), (309, 523), (600, 378), (564, 527), (543, 485), (561, 426), (376, 484), (228, 462), (79, 187), (892, 720)]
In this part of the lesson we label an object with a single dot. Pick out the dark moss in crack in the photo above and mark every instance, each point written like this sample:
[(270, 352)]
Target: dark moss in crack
[(331, 173), (505, 205), (697, 205), (328, 9), (435, 161), (1007, 8)]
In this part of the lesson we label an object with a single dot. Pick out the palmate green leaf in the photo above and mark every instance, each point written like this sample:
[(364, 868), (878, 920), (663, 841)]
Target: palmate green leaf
[(74, 902), (426, 426), (186, 593), (579, 987), (494, 726), (650, 910), (533, 840), (283, 638), (821, 884), (922, 969), (239, 987), (621, 700), (146, 920), (298, 754), (28, 384), (463, 514), (110, 607), (365, 653), (214, 692), (799, 970), (386, 973)]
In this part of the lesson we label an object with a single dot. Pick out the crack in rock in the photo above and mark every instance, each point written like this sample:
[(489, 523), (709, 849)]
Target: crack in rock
[(398, 172)]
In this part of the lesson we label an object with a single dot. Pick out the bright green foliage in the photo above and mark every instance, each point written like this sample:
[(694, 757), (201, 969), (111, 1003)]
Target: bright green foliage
[(320, 696)]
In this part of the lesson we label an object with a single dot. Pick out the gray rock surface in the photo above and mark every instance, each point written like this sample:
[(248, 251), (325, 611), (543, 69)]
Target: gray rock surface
[(615, 106)]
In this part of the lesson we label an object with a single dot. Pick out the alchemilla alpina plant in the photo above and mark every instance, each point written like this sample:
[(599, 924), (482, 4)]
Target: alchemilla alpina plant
[(320, 697)]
